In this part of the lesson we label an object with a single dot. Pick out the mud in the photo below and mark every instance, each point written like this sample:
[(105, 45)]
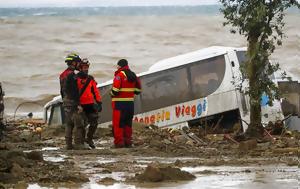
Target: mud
[(159, 173), (158, 156)]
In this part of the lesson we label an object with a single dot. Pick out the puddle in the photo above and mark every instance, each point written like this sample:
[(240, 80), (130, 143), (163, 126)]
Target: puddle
[(50, 149), (43, 149), (55, 159)]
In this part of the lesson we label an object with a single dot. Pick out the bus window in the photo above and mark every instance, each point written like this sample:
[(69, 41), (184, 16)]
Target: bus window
[(106, 114), (207, 76), (164, 88), (56, 118)]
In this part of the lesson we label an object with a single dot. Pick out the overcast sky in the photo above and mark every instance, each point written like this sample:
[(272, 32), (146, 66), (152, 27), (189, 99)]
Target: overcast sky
[(81, 3)]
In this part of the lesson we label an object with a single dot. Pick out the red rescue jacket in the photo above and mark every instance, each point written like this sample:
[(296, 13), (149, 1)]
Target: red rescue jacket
[(122, 89), (91, 93), (62, 80)]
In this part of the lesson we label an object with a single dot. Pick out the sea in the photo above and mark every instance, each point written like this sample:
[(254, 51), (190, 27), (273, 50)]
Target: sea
[(35, 41)]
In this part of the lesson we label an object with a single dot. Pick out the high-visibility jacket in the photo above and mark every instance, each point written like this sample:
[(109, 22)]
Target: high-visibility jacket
[(91, 94), (122, 89), (62, 80)]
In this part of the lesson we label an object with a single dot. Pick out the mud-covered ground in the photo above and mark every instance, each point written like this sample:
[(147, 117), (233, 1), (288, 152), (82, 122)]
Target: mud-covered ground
[(172, 158)]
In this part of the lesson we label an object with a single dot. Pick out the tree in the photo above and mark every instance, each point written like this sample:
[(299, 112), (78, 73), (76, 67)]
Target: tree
[(261, 22)]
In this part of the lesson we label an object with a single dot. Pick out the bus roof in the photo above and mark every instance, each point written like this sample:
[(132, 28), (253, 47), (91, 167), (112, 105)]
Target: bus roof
[(183, 59)]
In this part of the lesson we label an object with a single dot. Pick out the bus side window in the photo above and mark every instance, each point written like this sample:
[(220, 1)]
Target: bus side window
[(165, 88), (207, 76), (106, 114), (56, 118)]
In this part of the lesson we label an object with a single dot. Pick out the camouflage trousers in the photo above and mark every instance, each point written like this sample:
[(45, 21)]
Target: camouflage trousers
[(74, 120)]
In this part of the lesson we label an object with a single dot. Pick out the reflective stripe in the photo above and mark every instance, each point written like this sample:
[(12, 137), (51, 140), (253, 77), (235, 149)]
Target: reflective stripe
[(122, 99), (127, 89), (115, 89), (123, 73), (138, 90), (69, 58)]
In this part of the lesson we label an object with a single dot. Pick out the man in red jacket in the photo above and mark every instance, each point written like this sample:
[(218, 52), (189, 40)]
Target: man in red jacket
[(69, 104), (89, 100), (125, 85)]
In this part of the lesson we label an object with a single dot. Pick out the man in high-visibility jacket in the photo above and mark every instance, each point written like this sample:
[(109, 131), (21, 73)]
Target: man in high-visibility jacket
[(125, 85), (89, 100)]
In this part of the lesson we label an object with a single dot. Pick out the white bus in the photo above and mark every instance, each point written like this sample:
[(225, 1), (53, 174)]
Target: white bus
[(185, 90)]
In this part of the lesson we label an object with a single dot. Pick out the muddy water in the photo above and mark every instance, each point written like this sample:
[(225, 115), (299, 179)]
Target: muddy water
[(208, 177)]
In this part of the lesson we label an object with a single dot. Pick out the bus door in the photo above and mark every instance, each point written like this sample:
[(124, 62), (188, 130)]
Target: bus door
[(234, 60)]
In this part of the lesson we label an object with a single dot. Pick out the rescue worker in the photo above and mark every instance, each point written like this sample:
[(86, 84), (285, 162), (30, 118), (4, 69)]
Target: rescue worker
[(125, 85), (69, 101), (89, 100)]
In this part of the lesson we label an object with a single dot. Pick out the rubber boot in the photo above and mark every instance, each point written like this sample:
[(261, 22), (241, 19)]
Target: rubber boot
[(90, 134), (69, 145), (68, 137), (79, 140)]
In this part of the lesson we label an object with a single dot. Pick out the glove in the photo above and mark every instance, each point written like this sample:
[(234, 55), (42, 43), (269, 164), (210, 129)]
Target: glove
[(99, 108)]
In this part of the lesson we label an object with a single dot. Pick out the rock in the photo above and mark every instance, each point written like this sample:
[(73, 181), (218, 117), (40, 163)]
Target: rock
[(107, 181), (154, 173), (247, 145), (151, 174), (35, 155)]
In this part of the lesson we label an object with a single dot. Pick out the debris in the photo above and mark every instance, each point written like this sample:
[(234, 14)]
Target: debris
[(227, 136)]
